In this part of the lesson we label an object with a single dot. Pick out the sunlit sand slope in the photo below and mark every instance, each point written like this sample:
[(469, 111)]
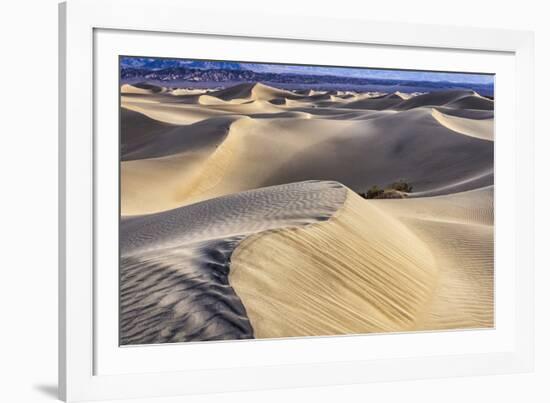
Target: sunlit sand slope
[(158, 158), (459, 231), (174, 265), (375, 266), (140, 89), (362, 271), (481, 128)]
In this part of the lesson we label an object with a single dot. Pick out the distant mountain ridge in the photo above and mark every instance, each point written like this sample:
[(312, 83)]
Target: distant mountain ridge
[(173, 73), (153, 64)]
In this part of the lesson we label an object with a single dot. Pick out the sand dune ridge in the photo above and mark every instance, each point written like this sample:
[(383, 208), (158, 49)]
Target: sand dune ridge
[(175, 264), (386, 265)]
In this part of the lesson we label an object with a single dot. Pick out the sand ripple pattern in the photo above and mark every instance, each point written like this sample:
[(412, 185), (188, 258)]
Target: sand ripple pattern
[(459, 229), (185, 147), (362, 271), (226, 236), (375, 266), (175, 264)]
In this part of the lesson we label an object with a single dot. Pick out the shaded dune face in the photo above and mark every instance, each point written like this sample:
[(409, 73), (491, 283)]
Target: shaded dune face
[(378, 151), (181, 294), (255, 91), (143, 137), (175, 265), (140, 89)]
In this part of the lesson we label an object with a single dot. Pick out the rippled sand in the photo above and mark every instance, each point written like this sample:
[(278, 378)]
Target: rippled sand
[(175, 264), (241, 218)]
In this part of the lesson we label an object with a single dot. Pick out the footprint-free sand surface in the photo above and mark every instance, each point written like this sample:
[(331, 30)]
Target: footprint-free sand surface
[(241, 218)]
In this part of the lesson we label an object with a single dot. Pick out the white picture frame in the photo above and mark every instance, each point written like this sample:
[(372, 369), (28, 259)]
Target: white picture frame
[(80, 376)]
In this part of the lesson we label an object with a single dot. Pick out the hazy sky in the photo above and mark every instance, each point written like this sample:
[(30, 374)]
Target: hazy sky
[(160, 63)]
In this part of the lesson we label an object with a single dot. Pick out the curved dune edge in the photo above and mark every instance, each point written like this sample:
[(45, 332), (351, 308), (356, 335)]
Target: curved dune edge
[(270, 144), (359, 272), (168, 177), (478, 128), (481, 180), (174, 265), (210, 173), (133, 89), (375, 266), (258, 152)]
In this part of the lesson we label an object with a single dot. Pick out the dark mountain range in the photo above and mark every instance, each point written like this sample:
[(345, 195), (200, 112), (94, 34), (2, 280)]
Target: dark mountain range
[(168, 74), (155, 64)]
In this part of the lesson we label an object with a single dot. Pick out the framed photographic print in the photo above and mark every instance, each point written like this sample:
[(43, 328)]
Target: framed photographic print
[(317, 207)]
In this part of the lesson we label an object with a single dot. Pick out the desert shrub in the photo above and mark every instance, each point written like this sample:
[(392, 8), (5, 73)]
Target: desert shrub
[(374, 192), (392, 194), (402, 186), (397, 190)]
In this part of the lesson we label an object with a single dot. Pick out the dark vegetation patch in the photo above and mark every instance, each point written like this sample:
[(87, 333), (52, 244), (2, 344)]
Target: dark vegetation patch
[(397, 190)]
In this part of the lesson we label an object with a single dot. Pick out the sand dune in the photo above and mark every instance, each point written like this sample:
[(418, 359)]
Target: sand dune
[(143, 137), (472, 102), (239, 216), (460, 99), (482, 179), (480, 128), (140, 88), (434, 99), (174, 265), (302, 259), (422, 151), (250, 142), (375, 266), (256, 91), (209, 100), (171, 112), (405, 96), (188, 91), (158, 159), (459, 231), (375, 103), (362, 271)]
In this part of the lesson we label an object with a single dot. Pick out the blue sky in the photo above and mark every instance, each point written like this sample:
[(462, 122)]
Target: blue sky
[(160, 63)]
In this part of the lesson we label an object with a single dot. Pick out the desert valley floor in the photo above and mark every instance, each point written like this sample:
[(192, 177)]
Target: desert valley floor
[(241, 216)]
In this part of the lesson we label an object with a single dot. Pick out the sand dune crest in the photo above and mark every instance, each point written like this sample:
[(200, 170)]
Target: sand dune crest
[(479, 128), (374, 266), (175, 264), (362, 271)]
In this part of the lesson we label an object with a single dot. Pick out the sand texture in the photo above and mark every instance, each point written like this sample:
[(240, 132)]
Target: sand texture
[(175, 264), (387, 265), (178, 150), (241, 216)]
